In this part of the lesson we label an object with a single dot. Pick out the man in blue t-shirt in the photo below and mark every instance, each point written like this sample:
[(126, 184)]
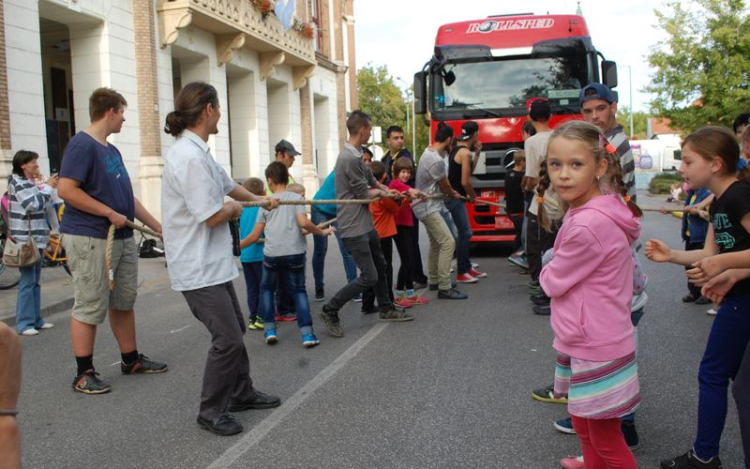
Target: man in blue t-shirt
[(96, 188)]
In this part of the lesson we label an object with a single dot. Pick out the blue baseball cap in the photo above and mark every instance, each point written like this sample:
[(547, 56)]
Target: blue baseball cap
[(596, 91)]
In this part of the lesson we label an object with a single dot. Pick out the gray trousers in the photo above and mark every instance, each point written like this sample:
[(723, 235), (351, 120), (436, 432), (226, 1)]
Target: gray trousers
[(227, 373), (368, 255)]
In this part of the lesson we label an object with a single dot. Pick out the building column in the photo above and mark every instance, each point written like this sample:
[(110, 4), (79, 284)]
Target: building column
[(338, 58), (149, 125), (6, 148), (309, 171), (351, 59)]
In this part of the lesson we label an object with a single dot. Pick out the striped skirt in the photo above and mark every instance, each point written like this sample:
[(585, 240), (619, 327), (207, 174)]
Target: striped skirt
[(598, 390)]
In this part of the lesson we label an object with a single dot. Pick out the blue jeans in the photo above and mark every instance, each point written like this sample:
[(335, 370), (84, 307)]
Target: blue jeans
[(291, 269), (29, 301), (724, 351), (253, 274), (461, 219), (320, 248)]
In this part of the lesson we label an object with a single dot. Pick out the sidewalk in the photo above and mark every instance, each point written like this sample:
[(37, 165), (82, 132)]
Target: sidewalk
[(57, 288)]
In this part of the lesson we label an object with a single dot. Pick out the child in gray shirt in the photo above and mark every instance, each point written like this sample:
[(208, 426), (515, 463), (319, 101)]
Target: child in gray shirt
[(284, 254)]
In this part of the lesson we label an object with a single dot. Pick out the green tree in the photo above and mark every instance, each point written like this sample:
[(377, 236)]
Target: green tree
[(380, 97), (640, 123), (703, 67)]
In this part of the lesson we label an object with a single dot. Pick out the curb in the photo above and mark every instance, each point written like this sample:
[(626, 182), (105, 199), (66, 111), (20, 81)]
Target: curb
[(49, 310)]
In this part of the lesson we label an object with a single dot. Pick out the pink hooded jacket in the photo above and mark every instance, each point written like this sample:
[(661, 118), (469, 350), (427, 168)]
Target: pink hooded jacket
[(590, 280)]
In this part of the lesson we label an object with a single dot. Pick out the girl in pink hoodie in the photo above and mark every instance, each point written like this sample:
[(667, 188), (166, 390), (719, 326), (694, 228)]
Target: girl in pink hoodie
[(590, 282)]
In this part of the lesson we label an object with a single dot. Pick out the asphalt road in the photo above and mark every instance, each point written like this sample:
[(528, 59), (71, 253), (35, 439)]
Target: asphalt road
[(449, 390)]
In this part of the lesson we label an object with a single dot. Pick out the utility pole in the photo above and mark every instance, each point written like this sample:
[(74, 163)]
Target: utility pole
[(410, 96)]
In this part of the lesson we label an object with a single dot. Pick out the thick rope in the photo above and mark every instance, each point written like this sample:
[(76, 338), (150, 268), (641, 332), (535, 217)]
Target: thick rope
[(110, 245)]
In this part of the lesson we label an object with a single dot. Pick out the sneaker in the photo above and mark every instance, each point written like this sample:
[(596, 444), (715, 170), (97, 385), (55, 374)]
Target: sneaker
[(309, 341), (271, 337), (631, 436), (320, 294), (451, 294), (474, 265), (287, 317), (143, 365), (542, 310), (702, 301), (548, 395), (370, 310), (256, 325), (89, 382), (395, 315), (30, 332), (331, 320), (711, 312), (402, 302), (223, 425), (477, 274), (565, 426), (47, 325), (357, 299), (689, 298), (418, 300), (540, 299), (465, 278), (519, 261), (690, 461), (420, 285), (573, 462)]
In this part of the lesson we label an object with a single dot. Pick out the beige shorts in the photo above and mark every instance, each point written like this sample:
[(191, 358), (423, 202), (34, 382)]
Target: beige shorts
[(88, 265)]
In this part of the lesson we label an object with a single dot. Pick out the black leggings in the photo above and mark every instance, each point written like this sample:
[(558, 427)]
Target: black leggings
[(403, 238)]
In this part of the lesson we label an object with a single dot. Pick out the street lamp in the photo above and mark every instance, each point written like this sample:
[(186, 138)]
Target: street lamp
[(409, 92), (630, 93)]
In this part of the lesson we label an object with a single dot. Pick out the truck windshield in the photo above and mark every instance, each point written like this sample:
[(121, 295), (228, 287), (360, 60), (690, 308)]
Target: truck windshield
[(507, 84)]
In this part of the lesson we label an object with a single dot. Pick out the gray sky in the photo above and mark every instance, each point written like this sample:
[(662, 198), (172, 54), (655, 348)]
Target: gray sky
[(401, 33)]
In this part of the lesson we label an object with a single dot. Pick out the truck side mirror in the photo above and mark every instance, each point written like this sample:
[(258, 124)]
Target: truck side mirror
[(420, 95), (609, 73)]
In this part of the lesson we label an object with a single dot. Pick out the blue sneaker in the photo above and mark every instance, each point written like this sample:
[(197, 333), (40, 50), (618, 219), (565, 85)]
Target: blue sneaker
[(271, 336), (565, 426), (309, 341)]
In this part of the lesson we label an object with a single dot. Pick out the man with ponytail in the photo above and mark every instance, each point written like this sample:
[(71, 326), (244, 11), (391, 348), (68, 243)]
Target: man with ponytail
[(198, 245), (97, 191)]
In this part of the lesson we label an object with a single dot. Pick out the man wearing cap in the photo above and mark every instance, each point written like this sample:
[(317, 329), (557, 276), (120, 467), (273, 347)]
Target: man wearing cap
[(538, 239), (599, 107), (285, 152), (462, 160)]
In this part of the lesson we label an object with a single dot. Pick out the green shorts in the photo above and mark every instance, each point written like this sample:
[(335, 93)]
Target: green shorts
[(88, 264)]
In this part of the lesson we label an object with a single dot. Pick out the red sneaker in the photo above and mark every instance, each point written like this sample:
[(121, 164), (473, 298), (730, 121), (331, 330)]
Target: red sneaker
[(572, 462), (417, 300), (466, 278), (477, 274), (402, 302)]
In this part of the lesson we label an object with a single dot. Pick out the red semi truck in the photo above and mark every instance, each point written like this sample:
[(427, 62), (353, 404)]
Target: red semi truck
[(486, 71)]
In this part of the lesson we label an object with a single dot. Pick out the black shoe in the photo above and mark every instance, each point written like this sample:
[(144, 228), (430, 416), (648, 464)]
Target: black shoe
[(320, 294), (540, 299), (702, 301), (143, 365), (451, 294), (259, 401), (89, 382), (534, 284), (370, 310), (542, 310), (631, 436), (331, 320), (690, 461), (420, 285), (223, 425), (689, 298)]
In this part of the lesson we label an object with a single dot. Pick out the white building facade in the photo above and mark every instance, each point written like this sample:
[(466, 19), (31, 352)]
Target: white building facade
[(273, 83)]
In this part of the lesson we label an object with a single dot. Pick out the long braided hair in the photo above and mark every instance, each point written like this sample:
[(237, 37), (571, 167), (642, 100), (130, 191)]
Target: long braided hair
[(596, 143)]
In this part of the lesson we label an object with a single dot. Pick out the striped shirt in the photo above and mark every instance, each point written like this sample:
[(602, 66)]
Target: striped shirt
[(27, 204), (616, 137)]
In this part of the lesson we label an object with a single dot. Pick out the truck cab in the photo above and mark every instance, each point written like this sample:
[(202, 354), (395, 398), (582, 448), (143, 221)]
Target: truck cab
[(486, 71)]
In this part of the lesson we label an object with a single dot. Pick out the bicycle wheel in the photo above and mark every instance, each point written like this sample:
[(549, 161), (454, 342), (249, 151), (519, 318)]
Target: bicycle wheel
[(9, 277)]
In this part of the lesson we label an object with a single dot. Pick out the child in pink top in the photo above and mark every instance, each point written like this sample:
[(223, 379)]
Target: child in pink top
[(402, 172), (590, 282)]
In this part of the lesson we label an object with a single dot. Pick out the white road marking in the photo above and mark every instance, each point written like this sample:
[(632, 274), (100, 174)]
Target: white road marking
[(257, 434)]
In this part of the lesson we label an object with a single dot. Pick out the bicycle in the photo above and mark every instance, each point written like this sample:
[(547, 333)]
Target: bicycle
[(9, 276)]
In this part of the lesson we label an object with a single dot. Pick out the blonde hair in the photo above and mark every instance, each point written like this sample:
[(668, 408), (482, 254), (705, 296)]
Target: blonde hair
[(597, 145), (296, 188)]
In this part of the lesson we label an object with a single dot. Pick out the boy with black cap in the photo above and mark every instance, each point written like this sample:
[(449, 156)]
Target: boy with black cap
[(461, 163), (599, 107)]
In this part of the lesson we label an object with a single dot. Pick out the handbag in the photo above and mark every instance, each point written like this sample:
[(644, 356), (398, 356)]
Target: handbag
[(17, 254)]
